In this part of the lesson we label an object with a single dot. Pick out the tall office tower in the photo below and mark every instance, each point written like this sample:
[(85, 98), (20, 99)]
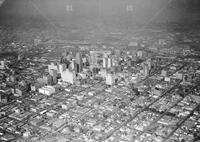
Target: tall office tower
[(79, 62), (66, 60), (73, 65), (105, 62), (118, 56), (149, 63), (76, 68), (109, 62), (145, 70), (93, 59), (84, 61), (54, 74), (113, 61)]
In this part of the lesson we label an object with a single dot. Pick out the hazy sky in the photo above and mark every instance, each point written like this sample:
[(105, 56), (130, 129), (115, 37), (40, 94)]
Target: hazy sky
[(113, 11), (1, 1), (85, 8)]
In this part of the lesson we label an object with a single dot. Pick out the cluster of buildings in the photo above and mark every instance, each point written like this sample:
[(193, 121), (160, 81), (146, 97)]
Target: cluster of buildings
[(100, 93), (108, 96)]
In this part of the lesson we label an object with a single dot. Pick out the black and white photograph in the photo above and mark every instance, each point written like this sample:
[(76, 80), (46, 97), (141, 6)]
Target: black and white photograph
[(99, 70)]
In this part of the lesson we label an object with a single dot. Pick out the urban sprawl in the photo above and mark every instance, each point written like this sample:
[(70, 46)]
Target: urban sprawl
[(144, 91)]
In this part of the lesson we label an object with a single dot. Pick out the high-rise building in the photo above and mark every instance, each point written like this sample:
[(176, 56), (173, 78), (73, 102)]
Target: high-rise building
[(3, 64), (96, 56), (117, 57), (84, 61), (145, 70), (93, 59), (149, 63), (54, 74), (110, 79), (68, 76), (105, 62), (73, 65), (109, 62), (79, 62), (76, 68), (115, 61)]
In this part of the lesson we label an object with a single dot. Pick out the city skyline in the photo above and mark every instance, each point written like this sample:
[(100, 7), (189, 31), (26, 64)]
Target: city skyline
[(99, 71)]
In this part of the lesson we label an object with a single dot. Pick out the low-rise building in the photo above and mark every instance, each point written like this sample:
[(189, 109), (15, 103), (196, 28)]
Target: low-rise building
[(47, 90)]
